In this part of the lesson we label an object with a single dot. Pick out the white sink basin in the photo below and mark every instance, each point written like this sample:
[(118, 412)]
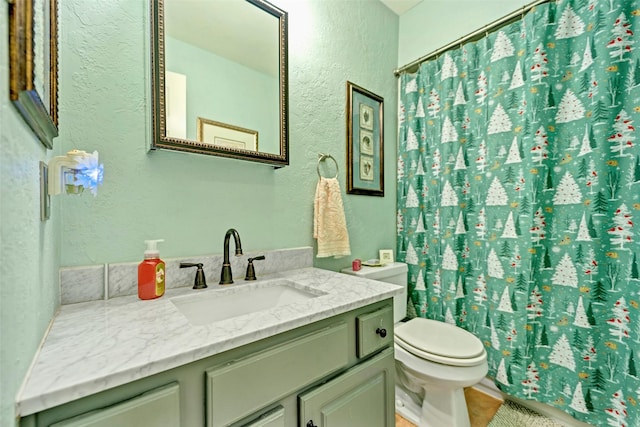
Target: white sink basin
[(215, 305)]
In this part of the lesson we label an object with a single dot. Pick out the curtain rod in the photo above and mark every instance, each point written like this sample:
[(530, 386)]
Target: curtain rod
[(489, 27)]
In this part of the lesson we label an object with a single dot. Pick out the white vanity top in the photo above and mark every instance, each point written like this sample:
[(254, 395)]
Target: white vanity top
[(98, 345)]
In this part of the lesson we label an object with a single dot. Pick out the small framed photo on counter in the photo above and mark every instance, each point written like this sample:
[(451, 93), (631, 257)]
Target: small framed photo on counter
[(386, 256)]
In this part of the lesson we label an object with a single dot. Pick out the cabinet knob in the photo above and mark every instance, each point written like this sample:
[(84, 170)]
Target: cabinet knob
[(382, 332), (311, 424)]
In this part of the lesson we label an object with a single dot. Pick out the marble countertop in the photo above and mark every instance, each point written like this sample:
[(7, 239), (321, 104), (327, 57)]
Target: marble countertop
[(94, 346)]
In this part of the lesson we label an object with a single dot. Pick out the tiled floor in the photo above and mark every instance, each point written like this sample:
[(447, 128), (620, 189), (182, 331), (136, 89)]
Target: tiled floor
[(481, 408)]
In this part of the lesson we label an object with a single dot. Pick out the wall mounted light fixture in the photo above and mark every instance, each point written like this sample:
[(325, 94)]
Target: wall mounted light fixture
[(73, 173)]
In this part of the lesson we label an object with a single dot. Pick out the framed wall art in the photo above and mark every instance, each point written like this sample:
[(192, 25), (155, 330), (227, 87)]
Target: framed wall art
[(225, 135), (365, 145), (33, 65)]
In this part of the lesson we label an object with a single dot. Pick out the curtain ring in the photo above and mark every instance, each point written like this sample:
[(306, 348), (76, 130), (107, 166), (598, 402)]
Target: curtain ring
[(322, 157)]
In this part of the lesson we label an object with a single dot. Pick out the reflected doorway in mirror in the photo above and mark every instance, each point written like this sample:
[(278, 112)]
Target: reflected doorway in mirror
[(176, 105)]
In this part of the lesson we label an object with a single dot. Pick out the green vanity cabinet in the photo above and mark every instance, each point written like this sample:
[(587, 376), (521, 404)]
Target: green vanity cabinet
[(283, 380), (160, 407)]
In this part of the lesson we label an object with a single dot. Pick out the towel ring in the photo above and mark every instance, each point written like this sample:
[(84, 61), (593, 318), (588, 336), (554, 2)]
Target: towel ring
[(322, 157)]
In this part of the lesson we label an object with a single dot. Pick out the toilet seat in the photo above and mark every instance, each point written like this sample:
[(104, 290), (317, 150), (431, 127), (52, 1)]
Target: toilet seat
[(440, 342)]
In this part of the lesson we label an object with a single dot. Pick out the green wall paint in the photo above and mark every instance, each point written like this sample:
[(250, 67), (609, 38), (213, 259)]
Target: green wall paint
[(191, 200), (433, 24), (29, 249), (243, 97)]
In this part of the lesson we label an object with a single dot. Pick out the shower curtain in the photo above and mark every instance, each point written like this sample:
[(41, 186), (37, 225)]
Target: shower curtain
[(519, 199)]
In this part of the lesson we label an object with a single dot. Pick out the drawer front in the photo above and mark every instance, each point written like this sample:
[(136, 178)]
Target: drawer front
[(375, 331), (159, 407), (238, 389)]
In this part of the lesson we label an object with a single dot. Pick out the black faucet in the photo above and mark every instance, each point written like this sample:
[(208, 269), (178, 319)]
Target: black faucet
[(226, 277)]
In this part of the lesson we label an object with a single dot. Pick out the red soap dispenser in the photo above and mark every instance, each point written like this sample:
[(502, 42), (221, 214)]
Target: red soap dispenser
[(151, 272)]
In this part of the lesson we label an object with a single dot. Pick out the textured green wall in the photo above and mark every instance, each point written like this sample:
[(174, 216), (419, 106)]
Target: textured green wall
[(191, 200), (433, 24), (28, 248)]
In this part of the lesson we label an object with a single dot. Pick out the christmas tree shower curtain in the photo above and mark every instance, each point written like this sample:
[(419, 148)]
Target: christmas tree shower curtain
[(519, 198)]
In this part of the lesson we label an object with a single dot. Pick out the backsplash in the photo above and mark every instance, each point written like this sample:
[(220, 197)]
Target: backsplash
[(97, 282)]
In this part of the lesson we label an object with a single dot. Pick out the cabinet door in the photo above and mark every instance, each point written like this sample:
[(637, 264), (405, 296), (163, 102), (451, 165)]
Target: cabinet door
[(362, 396), (158, 408)]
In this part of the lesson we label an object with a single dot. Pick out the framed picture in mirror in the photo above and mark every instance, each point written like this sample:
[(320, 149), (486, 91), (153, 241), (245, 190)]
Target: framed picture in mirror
[(365, 145), (225, 135)]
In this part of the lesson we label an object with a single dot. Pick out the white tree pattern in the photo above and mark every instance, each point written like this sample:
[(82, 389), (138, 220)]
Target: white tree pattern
[(622, 41), (514, 152), (568, 191), (587, 57), (577, 402), (449, 196), (562, 354), (621, 232), (502, 48), (494, 265), (449, 68), (480, 291), (570, 108), (565, 273), (460, 98), (570, 25), (449, 260), (530, 384), (501, 375), (580, 318), (499, 122), (539, 151), (534, 308), (624, 133), (517, 79), (619, 323), (497, 195), (618, 411), (412, 198), (412, 141), (540, 68), (505, 301)]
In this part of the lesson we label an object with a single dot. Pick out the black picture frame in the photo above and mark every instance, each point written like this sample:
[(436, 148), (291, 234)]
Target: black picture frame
[(365, 141)]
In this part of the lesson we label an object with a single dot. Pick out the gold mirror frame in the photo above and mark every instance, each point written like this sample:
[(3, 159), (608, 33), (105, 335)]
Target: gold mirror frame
[(22, 91), (160, 140)]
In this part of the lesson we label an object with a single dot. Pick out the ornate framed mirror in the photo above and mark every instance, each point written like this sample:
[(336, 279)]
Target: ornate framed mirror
[(33, 65), (219, 79)]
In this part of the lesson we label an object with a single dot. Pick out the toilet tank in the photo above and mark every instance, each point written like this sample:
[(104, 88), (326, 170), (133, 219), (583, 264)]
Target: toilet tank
[(394, 273)]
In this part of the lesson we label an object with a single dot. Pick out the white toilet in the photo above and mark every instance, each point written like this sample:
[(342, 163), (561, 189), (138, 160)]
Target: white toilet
[(434, 360)]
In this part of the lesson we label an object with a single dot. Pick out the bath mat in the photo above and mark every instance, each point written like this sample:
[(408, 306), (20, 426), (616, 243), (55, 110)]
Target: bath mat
[(510, 414)]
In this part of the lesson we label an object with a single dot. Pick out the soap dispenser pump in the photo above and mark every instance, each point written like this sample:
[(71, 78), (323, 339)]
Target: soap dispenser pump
[(151, 272)]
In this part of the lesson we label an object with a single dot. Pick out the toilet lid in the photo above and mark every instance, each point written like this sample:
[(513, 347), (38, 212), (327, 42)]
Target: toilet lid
[(439, 339)]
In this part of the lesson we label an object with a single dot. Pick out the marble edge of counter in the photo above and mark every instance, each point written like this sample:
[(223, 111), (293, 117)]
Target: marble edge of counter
[(32, 399)]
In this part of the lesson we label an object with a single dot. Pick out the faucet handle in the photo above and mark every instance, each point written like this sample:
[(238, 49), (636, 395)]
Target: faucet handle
[(251, 272), (200, 281)]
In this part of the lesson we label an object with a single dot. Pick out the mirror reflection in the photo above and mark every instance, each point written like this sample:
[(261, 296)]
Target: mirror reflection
[(220, 78)]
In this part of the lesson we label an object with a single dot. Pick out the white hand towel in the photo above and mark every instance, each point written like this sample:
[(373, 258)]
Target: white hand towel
[(329, 223)]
